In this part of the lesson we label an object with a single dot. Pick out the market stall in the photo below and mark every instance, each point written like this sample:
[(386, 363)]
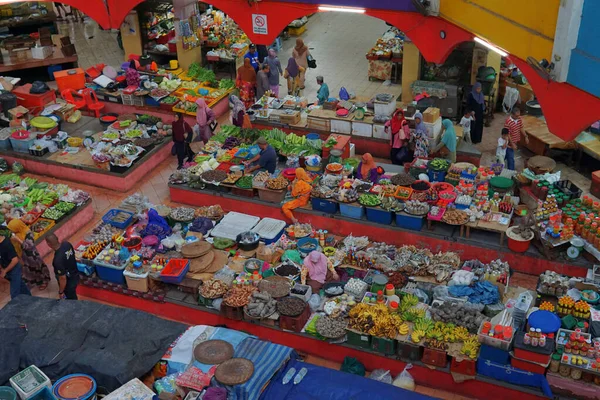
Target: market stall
[(224, 43), (45, 208), (385, 57), (394, 299)]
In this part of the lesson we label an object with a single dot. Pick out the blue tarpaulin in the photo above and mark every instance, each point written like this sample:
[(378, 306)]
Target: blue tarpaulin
[(479, 293), (325, 383)]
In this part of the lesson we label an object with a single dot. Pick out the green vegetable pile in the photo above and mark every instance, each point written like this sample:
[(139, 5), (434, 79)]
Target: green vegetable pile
[(170, 100), (369, 200), (41, 195), (439, 164), (64, 207), (222, 243), (226, 84), (53, 214), (9, 180), (245, 182), (195, 71)]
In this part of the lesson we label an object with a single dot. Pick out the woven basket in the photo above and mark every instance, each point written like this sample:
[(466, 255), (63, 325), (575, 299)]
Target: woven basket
[(234, 371)]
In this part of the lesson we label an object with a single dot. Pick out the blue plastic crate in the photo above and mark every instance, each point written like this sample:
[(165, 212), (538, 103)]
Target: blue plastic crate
[(107, 218), (252, 151), (494, 354), (379, 215), (5, 145), (326, 206), (86, 269), (469, 177), (352, 211), (22, 145), (44, 394), (110, 273), (150, 102), (411, 222), (436, 176), (462, 206)]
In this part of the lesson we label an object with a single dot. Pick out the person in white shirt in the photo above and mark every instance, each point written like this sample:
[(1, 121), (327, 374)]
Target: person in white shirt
[(465, 122), (503, 143)]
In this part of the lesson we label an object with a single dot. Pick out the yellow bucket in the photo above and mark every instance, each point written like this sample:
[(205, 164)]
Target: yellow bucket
[(174, 64)]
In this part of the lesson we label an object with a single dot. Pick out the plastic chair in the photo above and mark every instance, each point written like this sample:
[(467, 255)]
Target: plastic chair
[(67, 95), (92, 102)]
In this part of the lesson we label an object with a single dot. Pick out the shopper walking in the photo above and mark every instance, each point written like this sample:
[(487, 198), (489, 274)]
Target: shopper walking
[(65, 267), (275, 71), (204, 118), (239, 117), (476, 103), (262, 81), (300, 54), (11, 268), (253, 56), (180, 142), (420, 137), (246, 82), (447, 146), (35, 270), (514, 124), (292, 73), (399, 132)]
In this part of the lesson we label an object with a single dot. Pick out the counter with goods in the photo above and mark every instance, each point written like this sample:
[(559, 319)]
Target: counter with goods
[(44, 207), (385, 58), (435, 309)]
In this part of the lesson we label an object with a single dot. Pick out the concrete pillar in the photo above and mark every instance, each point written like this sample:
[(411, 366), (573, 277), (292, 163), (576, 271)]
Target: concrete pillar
[(183, 9), (493, 60), (131, 35), (411, 70)]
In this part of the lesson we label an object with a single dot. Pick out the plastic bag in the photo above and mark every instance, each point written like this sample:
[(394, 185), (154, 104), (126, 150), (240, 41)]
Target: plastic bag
[(405, 379), (422, 296), (381, 375), (314, 302), (18, 168), (174, 241), (225, 275), (462, 277), (353, 366)]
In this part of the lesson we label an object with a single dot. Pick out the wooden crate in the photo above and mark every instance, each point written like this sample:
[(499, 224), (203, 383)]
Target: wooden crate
[(234, 313), (295, 324), (319, 124), (434, 357)]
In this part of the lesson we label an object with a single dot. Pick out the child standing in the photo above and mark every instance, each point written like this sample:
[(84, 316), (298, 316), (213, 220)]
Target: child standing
[(465, 122), (503, 142)]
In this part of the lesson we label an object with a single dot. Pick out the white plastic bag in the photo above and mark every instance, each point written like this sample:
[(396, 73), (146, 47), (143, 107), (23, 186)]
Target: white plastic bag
[(314, 302), (405, 379), (381, 375)]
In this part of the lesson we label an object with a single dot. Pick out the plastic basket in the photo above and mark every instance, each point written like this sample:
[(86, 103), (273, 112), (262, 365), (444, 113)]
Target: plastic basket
[(22, 145), (352, 211), (492, 341), (175, 270), (569, 188), (436, 176), (322, 205), (29, 381), (403, 193), (379, 215), (137, 282), (412, 222), (250, 152), (110, 273), (108, 218), (358, 339)]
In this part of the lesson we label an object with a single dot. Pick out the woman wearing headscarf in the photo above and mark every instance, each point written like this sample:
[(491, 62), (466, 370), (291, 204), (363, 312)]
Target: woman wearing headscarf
[(262, 81), (300, 192), (246, 82), (367, 169), (399, 132), (420, 137), (238, 112), (319, 270), (447, 146), (204, 117), (292, 74), (300, 54), (35, 271), (275, 71), (476, 102)]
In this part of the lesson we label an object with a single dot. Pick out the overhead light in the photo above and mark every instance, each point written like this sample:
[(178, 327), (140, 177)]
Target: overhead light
[(491, 46), (343, 9)]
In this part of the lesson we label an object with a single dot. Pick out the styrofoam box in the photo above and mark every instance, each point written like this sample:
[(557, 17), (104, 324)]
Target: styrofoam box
[(29, 381), (434, 129), (362, 129), (382, 108), (338, 126), (380, 133), (269, 228), (39, 53)]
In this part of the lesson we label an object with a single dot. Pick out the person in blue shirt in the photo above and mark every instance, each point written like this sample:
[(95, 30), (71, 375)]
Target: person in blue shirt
[(265, 160), (447, 146), (323, 93), (252, 54)]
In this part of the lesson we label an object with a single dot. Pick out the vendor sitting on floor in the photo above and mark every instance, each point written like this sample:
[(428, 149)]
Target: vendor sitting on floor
[(367, 170), (301, 189), (265, 160), (323, 93), (319, 271)]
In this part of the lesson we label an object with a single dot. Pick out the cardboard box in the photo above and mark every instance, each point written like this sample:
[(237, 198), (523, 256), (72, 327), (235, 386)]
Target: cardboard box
[(431, 115), (19, 112)]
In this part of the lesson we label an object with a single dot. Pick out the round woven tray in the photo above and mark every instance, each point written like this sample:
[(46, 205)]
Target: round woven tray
[(213, 352), (320, 331), (290, 299), (234, 371), (219, 261), (195, 249), (201, 264), (279, 287), (541, 164)]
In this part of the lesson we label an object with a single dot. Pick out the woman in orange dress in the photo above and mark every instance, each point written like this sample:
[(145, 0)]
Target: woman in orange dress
[(301, 188), (246, 82)]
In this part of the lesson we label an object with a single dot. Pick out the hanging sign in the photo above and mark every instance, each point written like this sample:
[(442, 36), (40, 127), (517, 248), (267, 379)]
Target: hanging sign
[(259, 24)]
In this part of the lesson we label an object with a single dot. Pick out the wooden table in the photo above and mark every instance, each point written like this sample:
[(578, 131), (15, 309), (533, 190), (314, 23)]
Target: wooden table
[(541, 140), (12, 64), (484, 226), (589, 143)]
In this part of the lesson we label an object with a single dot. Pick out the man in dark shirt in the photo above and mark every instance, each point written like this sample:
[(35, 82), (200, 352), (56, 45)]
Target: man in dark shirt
[(11, 269), (65, 267), (265, 160), (182, 136)]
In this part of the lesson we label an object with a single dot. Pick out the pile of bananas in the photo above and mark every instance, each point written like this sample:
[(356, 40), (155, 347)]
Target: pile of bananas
[(470, 347), (377, 321), (436, 344), (408, 301), (413, 314), (420, 329)]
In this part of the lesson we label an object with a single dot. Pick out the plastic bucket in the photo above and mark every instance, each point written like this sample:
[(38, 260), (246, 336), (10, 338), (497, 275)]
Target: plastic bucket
[(518, 246), (7, 393), (75, 386), (313, 136)]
